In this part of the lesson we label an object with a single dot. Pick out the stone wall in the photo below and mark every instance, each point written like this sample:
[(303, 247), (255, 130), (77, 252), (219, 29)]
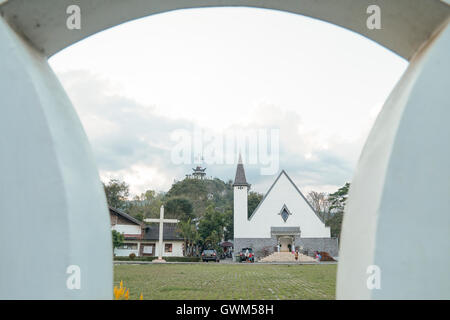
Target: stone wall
[(329, 245), (265, 246)]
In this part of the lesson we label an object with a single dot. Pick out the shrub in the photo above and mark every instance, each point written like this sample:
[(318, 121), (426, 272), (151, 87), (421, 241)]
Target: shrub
[(151, 258), (132, 256), (326, 256)]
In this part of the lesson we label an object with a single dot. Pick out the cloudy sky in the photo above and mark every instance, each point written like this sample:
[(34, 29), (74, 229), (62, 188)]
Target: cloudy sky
[(149, 88)]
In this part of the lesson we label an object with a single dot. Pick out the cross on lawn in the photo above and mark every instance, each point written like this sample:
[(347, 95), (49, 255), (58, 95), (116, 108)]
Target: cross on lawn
[(161, 221)]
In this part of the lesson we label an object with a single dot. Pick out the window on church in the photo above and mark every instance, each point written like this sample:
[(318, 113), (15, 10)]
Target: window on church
[(284, 214), (168, 247)]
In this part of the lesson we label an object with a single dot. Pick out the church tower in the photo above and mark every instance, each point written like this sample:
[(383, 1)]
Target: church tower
[(240, 205)]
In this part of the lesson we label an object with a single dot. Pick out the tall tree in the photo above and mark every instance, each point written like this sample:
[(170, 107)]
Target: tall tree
[(254, 198), (337, 199), (211, 227), (337, 205), (319, 202), (228, 224), (117, 193), (185, 229)]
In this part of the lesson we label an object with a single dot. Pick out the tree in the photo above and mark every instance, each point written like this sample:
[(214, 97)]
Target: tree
[(319, 202), (211, 227), (147, 205), (179, 208), (228, 221), (117, 239), (254, 198), (117, 193), (186, 230), (335, 224), (337, 202)]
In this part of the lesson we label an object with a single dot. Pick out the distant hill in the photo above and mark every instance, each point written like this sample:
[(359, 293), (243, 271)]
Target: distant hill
[(202, 193)]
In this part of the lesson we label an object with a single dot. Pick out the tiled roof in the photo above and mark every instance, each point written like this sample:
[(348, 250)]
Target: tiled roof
[(151, 232)]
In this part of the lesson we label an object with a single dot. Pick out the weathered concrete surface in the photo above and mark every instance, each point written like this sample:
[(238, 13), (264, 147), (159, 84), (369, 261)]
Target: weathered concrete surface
[(406, 24), (398, 211), (52, 205)]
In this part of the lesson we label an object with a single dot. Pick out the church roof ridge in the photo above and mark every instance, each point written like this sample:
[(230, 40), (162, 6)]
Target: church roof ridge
[(296, 188)]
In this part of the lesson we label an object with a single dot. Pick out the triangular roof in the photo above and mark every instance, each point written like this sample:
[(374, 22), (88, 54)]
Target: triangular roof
[(125, 215), (240, 179), (296, 188)]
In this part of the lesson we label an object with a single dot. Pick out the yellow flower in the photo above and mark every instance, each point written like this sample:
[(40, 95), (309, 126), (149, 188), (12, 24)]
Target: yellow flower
[(116, 293), (123, 292)]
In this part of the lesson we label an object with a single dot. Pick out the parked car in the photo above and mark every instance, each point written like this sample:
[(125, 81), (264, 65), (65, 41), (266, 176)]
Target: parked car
[(210, 255), (246, 255)]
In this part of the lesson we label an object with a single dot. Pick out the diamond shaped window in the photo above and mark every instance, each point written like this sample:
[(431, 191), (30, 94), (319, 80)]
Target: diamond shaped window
[(284, 214)]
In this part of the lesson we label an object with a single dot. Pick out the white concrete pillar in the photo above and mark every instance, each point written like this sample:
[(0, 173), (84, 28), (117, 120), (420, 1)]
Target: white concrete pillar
[(398, 213), (52, 205)]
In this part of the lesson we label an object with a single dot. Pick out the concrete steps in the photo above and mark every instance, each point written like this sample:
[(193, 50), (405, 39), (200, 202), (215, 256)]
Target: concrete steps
[(286, 257)]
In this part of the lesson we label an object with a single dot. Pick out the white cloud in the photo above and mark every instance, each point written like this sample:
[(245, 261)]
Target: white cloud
[(223, 68)]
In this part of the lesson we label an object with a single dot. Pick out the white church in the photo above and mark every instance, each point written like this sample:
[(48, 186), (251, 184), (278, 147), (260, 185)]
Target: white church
[(283, 217)]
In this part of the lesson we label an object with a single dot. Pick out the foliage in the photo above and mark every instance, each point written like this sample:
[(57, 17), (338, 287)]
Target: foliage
[(179, 208), (151, 258), (132, 256), (254, 198), (330, 207), (320, 203), (228, 222), (190, 235), (335, 224), (211, 228), (203, 193), (117, 239), (147, 205), (337, 205), (117, 193), (337, 200)]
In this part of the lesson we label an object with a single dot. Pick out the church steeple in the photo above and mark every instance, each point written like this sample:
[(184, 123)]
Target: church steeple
[(240, 179), (240, 201)]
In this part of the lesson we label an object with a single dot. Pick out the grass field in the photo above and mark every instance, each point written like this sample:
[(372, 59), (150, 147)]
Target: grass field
[(227, 281)]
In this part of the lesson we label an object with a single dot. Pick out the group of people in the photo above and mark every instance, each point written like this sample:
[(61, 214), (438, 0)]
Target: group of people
[(317, 254)]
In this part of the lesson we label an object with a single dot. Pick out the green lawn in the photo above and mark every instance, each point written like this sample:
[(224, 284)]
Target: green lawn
[(227, 281)]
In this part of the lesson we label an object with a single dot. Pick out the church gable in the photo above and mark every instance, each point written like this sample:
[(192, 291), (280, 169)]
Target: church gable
[(285, 205)]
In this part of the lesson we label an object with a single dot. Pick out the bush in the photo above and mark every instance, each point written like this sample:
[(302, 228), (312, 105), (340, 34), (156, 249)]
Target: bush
[(132, 256), (326, 256), (168, 259)]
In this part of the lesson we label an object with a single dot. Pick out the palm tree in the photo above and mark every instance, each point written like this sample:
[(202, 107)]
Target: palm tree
[(184, 227), (195, 240)]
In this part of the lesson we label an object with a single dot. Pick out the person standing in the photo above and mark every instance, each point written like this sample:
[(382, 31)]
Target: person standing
[(318, 256)]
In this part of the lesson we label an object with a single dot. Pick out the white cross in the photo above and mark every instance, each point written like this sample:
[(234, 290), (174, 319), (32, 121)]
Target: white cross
[(161, 221)]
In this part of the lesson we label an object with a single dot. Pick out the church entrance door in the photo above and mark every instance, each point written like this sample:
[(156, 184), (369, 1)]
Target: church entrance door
[(285, 242)]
